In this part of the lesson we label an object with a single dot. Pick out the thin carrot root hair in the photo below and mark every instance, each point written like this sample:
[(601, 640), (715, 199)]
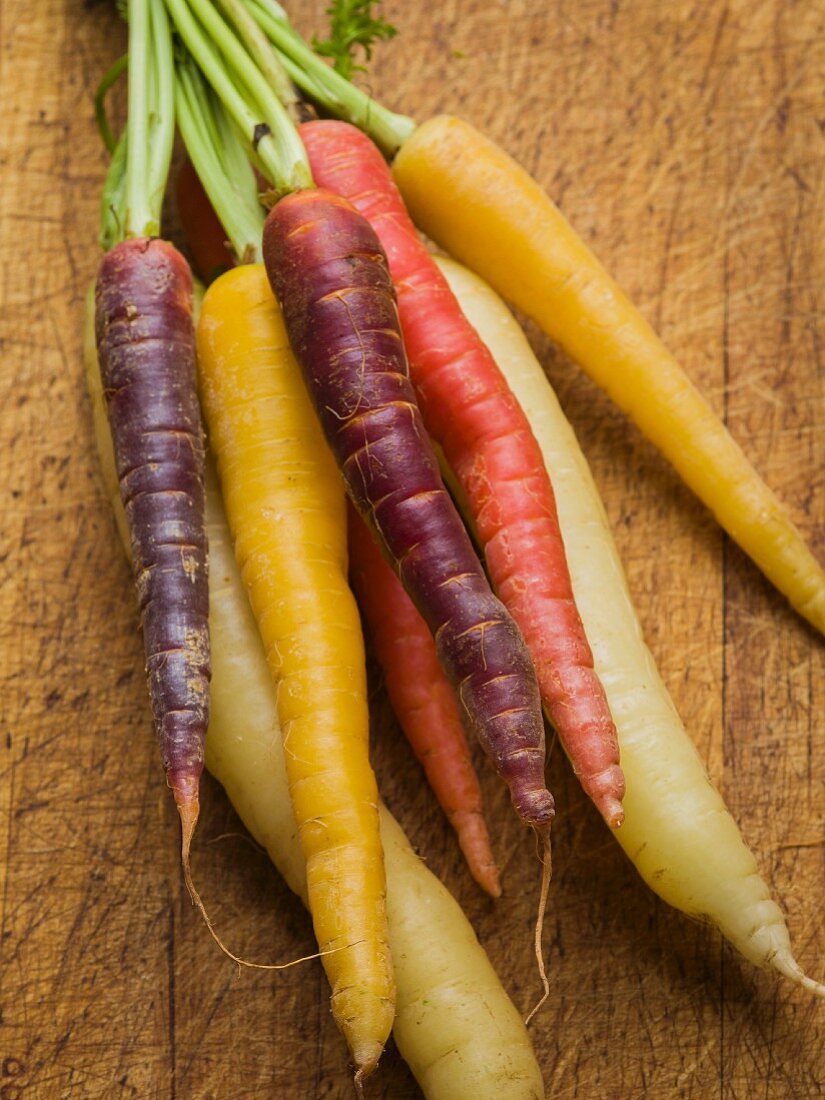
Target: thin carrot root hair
[(543, 835), (188, 809)]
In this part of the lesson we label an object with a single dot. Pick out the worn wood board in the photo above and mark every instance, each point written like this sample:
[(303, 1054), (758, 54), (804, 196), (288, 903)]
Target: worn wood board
[(685, 141)]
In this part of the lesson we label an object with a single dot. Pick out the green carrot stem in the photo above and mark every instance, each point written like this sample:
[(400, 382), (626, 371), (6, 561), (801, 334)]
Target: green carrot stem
[(138, 221), (244, 91), (110, 77), (261, 51), (111, 204), (220, 161), (235, 158), (136, 179), (162, 122), (327, 88)]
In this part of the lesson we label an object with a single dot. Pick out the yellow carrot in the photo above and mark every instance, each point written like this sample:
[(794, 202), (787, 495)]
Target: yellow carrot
[(676, 830), (484, 209), (285, 505)]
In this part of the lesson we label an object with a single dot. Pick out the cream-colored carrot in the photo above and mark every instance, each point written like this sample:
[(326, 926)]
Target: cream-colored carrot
[(484, 209), (677, 830)]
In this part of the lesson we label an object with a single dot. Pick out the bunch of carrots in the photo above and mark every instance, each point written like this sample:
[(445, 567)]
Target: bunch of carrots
[(337, 359)]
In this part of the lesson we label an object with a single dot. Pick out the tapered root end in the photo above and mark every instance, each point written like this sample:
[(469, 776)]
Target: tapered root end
[(546, 874), (613, 813), (817, 988), (788, 966), (474, 841), (185, 790), (606, 790), (365, 1068), (186, 799)]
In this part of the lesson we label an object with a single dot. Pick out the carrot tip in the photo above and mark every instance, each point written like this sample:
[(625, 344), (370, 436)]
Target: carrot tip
[(613, 814), (474, 841), (362, 1073), (788, 966), (606, 789), (358, 1081), (813, 986), (536, 808), (185, 790), (489, 881)]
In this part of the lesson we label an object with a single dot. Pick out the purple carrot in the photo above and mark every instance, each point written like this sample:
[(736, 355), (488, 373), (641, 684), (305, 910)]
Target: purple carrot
[(145, 341), (331, 277)]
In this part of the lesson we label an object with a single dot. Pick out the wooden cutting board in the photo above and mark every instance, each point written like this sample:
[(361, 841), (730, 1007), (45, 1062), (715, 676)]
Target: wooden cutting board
[(685, 141)]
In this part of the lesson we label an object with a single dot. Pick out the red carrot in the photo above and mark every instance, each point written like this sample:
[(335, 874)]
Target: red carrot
[(470, 411), (204, 234), (330, 275), (422, 699), (147, 361)]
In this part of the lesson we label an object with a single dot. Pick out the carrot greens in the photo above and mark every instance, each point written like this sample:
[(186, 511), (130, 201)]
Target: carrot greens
[(250, 101), (110, 77), (220, 160), (325, 86), (352, 25)]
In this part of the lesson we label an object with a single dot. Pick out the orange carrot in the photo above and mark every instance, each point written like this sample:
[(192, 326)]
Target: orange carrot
[(470, 411), (422, 698)]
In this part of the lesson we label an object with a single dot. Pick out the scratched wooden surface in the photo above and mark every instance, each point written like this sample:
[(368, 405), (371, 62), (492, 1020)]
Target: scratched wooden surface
[(685, 140)]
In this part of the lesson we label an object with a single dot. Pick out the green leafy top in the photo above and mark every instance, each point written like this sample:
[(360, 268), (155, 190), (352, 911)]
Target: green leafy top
[(136, 180), (352, 24), (324, 85)]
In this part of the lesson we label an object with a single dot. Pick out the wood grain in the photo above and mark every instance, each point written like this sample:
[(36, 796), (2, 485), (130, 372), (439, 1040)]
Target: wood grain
[(685, 141)]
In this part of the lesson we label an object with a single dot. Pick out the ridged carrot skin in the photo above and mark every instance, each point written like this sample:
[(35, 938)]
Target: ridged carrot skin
[(422, 698), (470, 411), (481, 206), (146, 345), (331, 277), (285, 506)]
